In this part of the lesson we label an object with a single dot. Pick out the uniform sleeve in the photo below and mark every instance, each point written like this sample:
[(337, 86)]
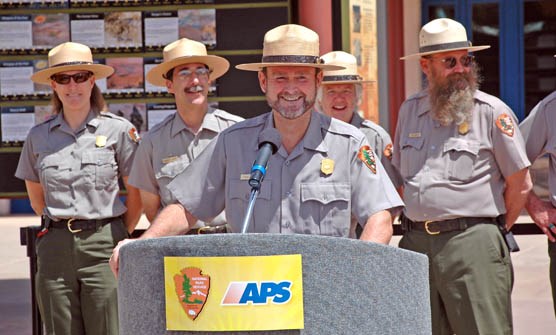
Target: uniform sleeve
[(142, 175), (200, 188), (372, 191), (26, 168), (127, 145), (508, 143), (536, 122)]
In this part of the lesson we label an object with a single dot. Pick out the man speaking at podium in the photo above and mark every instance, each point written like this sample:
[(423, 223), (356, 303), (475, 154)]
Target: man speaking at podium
[(322, 172)]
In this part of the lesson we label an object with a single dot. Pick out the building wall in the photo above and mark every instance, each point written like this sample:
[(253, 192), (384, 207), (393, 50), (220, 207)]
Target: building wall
[(412, 25)]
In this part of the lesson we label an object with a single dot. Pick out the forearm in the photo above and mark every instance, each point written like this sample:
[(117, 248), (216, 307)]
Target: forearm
[(172, 220), (134, 207), (518, 187), (378, 228)]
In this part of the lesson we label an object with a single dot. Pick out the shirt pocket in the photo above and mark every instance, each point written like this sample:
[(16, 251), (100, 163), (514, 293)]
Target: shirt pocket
[(101, 166), (166, 174), (411, 156), (238, 197), (54, 175), (461, 156), (330, 204)]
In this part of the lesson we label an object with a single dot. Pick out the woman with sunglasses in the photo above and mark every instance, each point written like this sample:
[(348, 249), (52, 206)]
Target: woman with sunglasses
[(71, 165)]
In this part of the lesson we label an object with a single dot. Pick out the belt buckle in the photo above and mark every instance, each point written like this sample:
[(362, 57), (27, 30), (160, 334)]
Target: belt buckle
[(73, 231), (201, 230), (427, 228)]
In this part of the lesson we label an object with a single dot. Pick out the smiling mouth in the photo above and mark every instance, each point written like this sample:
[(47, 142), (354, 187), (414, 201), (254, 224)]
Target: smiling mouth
[(291, 98), (339, 108)]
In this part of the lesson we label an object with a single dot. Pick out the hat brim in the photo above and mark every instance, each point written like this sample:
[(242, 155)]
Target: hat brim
[(470, 49), (260, 66), (334, 82), (99, 70), (218, 66)]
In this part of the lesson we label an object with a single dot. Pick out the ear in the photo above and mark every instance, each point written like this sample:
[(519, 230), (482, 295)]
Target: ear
[(262, 81), (53, 85), (425, 65), (319, 77), (170, 86)]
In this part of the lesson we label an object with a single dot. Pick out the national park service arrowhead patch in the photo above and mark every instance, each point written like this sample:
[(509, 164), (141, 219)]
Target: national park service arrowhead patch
[(192, 288), (367, 156), (134, 135), (388, 151), (504, 122)]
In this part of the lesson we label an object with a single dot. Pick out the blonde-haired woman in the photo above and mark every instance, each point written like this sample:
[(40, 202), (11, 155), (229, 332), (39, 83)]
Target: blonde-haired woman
[(71, 165)]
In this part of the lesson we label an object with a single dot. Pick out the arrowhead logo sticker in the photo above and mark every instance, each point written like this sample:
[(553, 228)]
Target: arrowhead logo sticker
[(192, 289)]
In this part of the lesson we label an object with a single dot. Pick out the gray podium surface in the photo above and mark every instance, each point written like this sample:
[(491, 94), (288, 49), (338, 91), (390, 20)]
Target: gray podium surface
[(349, 286)]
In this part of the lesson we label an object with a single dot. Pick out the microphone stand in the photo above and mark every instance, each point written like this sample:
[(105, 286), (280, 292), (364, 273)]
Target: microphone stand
[(249, 211)]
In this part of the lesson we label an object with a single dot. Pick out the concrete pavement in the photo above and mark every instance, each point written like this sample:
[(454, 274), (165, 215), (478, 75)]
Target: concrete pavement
[(532, 304)]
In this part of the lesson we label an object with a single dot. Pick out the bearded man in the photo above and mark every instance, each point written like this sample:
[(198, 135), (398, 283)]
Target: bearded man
[(319, 177), (465, 177)]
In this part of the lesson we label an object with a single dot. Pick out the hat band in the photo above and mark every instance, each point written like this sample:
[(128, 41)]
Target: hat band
[(73, 63), (293, 59), (445, 46), (349, 77)]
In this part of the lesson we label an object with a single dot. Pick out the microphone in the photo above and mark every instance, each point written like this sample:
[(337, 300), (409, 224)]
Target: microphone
[(269, 142)]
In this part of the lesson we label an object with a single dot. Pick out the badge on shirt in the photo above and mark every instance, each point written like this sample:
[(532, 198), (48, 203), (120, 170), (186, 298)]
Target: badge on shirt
[(100, 141), (388, 151), (169, 159), (327, 166), (463, 128), (244, 176), (367, 156), (134, 135), (504, 122), (414, 135)]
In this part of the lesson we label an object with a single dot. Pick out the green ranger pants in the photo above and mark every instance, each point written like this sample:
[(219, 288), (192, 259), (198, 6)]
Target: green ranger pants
[(76, 291), (471, 279), (552, 255)]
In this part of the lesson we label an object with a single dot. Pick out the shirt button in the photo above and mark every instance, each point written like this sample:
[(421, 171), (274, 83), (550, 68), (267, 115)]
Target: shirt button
[(286, 224), (325, 197), (287, 163), (288, 194), (433, 147)]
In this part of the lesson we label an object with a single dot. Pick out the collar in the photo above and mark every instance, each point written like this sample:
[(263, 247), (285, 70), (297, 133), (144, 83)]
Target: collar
[(210, 123), (356, 120), (59, 121)]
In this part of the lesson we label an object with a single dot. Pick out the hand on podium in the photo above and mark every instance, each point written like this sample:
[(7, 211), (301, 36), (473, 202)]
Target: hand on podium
[(115, 256)]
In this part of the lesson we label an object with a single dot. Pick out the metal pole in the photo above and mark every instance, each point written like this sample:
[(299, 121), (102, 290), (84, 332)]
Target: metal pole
[(249, 211)]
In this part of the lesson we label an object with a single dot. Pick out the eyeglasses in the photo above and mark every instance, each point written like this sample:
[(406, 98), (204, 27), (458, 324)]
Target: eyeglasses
[(64, 79), (201, 72), (451, 62)]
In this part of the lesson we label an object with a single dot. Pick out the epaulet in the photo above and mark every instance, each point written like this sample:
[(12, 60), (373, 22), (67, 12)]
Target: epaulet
[(162, 123), (418, 95), (253, 122), (49, 119), (551, 97), (227, 116), (339, 127), (112, 116), (497, 105)]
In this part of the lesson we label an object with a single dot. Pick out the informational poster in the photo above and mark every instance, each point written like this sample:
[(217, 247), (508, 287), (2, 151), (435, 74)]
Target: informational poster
[(14, 78), (16, 32), (38, 4), (158, 112), (363, 38), (104, 3), (150, 89), (123, 30), (88, 29), (136, 113), (127, 77), (49, 30), (161, 28), (16, 123), (198, 25)]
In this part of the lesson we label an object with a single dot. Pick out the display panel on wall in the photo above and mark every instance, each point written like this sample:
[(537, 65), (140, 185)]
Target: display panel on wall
[(128, 35)]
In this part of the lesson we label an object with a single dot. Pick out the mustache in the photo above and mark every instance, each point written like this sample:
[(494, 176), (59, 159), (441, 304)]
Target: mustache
[(195, 89)]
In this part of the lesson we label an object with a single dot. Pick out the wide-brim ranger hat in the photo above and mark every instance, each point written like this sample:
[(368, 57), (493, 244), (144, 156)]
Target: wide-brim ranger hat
[(71, 56), (348, 75), (442, 35), (290, 45), (185, 51)]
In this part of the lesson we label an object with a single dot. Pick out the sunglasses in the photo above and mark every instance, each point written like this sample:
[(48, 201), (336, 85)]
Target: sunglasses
[(451, 62), (64, 79), (186, 74)]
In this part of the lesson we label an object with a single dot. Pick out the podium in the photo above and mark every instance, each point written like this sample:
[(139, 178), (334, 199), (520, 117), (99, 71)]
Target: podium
[(349, 286)]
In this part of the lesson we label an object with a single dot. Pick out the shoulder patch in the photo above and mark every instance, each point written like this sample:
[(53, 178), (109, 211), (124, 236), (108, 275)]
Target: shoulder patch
[(134, 135), (367, 156), (505, 124), (387, 152)]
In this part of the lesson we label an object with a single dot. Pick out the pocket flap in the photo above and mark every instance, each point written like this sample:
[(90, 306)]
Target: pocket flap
[(325, 193), (458, 144), (414, 142), (240, 189), (172, 169), (97, 157)]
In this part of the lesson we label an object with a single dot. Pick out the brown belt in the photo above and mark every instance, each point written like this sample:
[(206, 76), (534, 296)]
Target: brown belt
[(444, 226), (221, 229), (77, 225)]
